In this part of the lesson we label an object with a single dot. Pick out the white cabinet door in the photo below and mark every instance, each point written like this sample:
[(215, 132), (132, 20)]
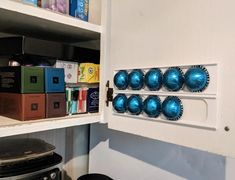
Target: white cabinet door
[(177, 33)]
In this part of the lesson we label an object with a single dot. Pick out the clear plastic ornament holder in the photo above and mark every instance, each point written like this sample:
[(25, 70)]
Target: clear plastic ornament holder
[(199, 108)]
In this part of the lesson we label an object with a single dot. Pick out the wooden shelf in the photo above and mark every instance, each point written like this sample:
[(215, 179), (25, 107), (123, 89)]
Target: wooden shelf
[(23, 19), (10, 127)]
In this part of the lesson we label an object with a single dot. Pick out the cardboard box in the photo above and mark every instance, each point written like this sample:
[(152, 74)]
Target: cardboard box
[(79, 9), (88, 73), (70, 70), (68, 100), (21, 79), (76, 100), (22, 106), (82, 100), (93, 100), (54, 80), (55, 105), (61, 6), (31, 2)]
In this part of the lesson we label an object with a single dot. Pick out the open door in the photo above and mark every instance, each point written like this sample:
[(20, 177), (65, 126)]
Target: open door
[(191, 43)]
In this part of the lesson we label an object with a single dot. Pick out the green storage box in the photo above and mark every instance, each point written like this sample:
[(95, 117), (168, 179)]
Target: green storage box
[(21, 79)]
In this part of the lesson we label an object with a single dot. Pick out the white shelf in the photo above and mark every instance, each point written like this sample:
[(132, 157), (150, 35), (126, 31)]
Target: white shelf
[(9, 127), (18, 18)]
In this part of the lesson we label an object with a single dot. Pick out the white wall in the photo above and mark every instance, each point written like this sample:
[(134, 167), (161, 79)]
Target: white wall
[(124, 156)]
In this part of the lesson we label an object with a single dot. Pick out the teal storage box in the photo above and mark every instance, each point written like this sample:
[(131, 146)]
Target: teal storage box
[(54, 80)]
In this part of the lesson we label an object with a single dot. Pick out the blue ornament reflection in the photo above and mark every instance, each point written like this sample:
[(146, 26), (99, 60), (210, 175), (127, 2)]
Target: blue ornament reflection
[(197, 78), (134, 104), (152, 106), (173, 79), (120, 103), (172, 108), (153, 79), (136, 79), (121, 80)]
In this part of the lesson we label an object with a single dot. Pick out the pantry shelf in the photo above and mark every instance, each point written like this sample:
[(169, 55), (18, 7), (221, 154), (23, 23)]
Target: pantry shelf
[(10, 127), (18, 18)]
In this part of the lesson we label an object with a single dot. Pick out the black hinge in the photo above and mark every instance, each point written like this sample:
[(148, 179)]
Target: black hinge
[(109, 94)]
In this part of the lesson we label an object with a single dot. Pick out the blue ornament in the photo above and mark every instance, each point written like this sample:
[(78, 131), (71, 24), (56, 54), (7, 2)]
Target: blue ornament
[(173, 79), (152, 106), (197, 78), (134, 104), (136, 79), (121, 79), (120, 103), (172, 108), (153, 79)]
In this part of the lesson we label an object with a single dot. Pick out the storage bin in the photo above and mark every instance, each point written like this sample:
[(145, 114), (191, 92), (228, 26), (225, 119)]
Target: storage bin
[(22, 106)]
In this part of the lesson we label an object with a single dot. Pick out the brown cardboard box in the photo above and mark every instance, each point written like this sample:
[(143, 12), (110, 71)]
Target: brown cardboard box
[(55, 105), (22, 106)]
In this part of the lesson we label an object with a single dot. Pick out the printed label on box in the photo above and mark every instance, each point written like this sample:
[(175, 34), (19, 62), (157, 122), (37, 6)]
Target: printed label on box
[(70, 70)]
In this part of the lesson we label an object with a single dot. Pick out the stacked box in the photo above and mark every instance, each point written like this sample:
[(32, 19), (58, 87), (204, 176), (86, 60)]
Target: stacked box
[(68, 100), (31, 2), (24, 101), (93, 100), (88, 73), (74, 103), (24, 84), (76, 100), (82, 100), (54, 80), (70, 70), (61, 6), (55, 105), (79, 9), (22, 106), (55, 92), (21, 79)]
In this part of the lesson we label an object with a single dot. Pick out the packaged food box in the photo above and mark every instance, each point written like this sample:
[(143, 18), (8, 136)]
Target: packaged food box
[(82, 100), (22, 106), (79, 9), (55, 105), (61, 6), (93, 100), (88, 73), (70, 70), (68, 100), (76, 100), (21, 79), (31, 2), (54, 80)]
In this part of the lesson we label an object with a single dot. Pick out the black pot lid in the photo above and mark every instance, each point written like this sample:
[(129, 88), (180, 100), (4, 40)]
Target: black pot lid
[(22, 149)]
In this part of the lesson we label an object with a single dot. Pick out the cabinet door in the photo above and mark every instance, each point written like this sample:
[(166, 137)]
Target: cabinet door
[(188, 35)]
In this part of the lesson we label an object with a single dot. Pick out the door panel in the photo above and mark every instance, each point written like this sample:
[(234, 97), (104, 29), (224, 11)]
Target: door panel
[(168, 33)]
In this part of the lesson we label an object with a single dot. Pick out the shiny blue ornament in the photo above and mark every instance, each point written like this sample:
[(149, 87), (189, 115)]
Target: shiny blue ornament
[(121, 80), (197, 78), (120, 103), (172, 108), (173, 79), (153, 79), (134, 104), (136, 79), (152, 106)]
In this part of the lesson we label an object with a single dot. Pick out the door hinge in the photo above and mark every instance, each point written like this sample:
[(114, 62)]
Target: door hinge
[(109, 94)]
